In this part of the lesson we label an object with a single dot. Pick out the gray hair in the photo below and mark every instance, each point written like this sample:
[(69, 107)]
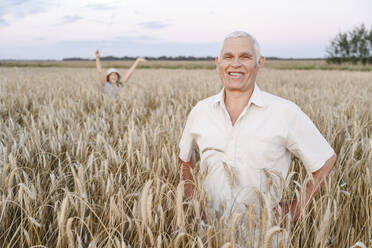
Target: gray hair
[(237, 34)]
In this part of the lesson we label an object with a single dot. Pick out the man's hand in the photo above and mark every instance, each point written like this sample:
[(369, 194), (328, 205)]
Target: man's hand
[(97, 53), (286, 208), (187, 176), (312, 188), (189, 189)]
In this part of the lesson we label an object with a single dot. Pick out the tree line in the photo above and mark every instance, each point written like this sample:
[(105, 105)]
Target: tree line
[(354, 46), (173, 58), (111, 58)]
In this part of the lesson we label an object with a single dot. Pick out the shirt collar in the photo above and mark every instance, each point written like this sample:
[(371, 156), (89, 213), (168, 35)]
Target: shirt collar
[(256, 97)]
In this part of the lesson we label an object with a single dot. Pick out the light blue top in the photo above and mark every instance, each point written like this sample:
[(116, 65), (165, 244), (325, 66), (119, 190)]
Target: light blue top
[(111, 89)]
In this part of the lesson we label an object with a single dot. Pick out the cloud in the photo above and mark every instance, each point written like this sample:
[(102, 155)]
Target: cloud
[(138, 38), (3, 22), (102, 6), (69, 19), (153, 25), (11, 3), (21, 8)]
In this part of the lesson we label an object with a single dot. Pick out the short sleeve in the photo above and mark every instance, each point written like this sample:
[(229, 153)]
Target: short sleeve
[(306, 142), (187, 141)]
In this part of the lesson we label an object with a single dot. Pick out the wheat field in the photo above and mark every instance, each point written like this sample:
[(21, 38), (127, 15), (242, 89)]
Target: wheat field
[(79, 169)]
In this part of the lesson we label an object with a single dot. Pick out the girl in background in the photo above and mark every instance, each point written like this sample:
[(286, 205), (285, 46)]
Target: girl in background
[(113, 82)]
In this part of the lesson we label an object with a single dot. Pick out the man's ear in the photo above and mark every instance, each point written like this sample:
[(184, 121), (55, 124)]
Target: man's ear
[(217, 61), (261, 62)]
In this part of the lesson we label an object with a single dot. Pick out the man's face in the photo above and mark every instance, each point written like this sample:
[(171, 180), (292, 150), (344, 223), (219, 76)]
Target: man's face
[(237, 65)]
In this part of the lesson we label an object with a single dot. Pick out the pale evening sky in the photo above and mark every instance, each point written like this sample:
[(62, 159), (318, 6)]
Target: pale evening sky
[(56, 29)]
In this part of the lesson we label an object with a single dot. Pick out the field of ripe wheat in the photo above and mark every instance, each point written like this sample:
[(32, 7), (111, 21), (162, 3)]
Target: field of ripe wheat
[(78, 169)]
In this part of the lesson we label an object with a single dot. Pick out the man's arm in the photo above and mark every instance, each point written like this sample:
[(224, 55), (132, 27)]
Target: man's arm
[(99, 68), (312, 188), (187, 176), (132, 68)]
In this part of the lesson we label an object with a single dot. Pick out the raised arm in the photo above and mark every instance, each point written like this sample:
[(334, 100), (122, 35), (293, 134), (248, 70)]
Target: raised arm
[(99, 69), (131, 69)]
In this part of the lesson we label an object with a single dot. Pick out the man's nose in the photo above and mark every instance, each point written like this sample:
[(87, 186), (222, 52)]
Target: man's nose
[(236, 62)]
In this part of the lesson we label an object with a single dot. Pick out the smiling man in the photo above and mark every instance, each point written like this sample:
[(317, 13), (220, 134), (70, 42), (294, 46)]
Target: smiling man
[(243, 132)]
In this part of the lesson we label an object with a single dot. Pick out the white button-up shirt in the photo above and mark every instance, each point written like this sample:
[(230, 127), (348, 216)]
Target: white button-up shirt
[(267, 132)]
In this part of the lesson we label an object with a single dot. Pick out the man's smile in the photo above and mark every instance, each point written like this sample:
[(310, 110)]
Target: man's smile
[(236, 75)]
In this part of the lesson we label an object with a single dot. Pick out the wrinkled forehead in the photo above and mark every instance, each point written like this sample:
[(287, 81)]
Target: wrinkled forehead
[(237, 45)]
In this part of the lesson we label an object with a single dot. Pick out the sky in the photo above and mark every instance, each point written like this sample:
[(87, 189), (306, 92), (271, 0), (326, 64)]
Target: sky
[(56, 29)]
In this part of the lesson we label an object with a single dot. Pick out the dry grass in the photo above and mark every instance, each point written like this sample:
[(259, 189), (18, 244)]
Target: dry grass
[(82, 170)]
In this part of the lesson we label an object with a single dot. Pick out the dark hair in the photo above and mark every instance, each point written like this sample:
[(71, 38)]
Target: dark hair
[(107, 77)]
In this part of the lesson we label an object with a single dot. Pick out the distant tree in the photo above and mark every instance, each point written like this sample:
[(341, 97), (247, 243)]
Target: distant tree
[(353, 46), (73, 59)]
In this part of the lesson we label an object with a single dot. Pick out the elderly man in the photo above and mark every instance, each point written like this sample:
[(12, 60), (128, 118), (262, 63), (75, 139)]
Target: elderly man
[(243, 131)]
